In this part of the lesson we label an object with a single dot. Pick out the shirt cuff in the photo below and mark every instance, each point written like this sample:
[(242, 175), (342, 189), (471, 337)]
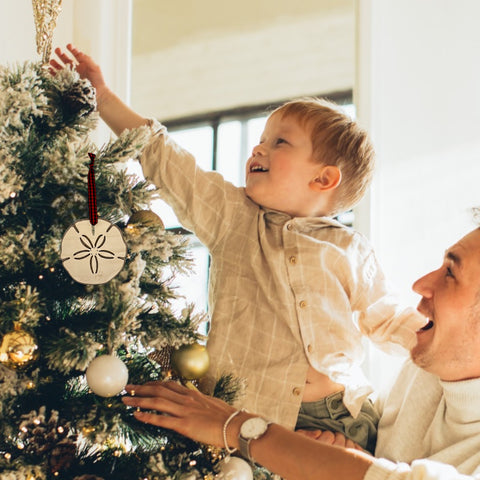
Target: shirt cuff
[(382, 469)]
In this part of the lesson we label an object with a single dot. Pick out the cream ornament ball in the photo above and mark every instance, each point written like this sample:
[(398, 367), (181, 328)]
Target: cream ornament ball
[(235, 468), (93, 254), (107, 375)]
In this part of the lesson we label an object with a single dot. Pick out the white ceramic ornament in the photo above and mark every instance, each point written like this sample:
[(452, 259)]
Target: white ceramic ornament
[(235, 468), (107, 375), (93, 254)]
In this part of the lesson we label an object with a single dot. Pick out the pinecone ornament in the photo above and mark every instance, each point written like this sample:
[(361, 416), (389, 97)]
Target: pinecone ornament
[(78, 100), (49, 438)]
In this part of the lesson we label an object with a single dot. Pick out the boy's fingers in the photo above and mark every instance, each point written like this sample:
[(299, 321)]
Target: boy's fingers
[(55, 65), (76, 53)]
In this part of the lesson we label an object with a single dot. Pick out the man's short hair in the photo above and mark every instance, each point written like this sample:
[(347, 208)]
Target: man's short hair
[(337, 140)]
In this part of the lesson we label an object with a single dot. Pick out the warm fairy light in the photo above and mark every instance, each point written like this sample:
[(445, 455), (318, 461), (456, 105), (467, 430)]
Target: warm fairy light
[(52, 269), (60, 429), (117, 453), (192, 463), (47, 318), (20, 446), (30, 385), (24, 429), (13, 194), (40, 277), (56, 474), (36, 421), (8, 456)]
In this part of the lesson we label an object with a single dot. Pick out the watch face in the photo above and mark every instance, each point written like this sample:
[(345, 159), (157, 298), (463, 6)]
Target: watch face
[(253, 427)]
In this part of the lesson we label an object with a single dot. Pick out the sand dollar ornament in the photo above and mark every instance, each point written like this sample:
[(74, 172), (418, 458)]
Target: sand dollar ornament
[(93, 250)]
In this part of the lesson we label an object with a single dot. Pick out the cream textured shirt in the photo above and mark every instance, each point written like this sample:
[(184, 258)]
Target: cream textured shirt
[(429, 429), (282, 290)]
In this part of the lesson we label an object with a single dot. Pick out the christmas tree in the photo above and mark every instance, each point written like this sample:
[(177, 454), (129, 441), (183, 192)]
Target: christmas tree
[(67, 346)]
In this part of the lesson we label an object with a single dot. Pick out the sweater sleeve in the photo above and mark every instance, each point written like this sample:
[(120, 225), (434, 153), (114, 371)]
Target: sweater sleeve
[(382, 469)]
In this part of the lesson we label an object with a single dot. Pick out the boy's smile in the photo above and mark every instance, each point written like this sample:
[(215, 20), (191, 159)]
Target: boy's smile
[(281, 168)]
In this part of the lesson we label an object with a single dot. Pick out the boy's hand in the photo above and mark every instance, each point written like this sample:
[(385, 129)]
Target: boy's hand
[(330, 438), (83, 64)]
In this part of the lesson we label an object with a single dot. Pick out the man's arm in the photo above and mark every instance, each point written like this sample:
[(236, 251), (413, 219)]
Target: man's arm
[(282, 451), (116, 114)]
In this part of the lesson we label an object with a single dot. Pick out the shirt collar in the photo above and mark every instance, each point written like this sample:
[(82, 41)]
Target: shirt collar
[(303, 223)]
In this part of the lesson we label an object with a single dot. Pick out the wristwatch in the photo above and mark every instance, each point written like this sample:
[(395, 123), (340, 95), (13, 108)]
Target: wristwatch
[(251, 429)]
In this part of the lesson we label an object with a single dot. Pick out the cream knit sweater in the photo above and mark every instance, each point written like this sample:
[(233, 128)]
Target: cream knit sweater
[(429, 429)]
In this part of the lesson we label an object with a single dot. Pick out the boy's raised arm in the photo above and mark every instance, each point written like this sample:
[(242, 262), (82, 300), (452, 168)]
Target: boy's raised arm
[(116, 114)]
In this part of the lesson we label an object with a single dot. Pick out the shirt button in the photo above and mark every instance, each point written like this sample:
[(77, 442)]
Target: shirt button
[(289, 226), (303, 304), (297, 391), (293, 260), (310, 348)]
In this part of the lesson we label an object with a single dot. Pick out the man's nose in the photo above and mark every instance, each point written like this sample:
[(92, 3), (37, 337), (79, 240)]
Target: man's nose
[(424, 286)]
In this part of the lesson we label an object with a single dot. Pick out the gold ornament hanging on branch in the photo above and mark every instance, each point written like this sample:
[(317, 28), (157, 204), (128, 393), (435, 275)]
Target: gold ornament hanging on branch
[(45, 13)]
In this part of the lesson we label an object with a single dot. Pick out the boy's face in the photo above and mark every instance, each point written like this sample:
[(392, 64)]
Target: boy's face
[(281, 167)]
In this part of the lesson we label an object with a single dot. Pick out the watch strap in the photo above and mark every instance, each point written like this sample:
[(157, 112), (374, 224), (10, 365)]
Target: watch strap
[(244, 447)]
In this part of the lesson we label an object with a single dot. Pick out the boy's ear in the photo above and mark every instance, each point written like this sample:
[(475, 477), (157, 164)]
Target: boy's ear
[(327, 178)]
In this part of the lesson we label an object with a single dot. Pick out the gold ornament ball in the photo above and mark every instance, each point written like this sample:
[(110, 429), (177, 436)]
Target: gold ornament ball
[(146, 218), (190, 362), (19, 349)]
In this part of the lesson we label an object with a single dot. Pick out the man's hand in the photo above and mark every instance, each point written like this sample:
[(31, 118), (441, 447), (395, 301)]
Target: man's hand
[(189, 412), (330, 438)]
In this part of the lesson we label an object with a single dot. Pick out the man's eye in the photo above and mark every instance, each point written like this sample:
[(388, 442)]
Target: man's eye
[(449, 273), (281, 140)]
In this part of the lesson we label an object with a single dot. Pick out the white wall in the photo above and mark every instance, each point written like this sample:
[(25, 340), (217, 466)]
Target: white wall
[(418, 93), (17, 30), (101, 28), (195, 60)]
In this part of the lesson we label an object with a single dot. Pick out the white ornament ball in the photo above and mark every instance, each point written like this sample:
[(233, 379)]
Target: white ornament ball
[(107, 375), (235, 468)]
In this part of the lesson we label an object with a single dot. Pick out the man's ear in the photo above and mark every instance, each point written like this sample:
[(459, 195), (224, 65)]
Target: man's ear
[(327, 178)]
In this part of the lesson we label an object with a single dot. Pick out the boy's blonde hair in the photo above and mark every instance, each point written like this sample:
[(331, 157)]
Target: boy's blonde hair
[(336, 140)]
